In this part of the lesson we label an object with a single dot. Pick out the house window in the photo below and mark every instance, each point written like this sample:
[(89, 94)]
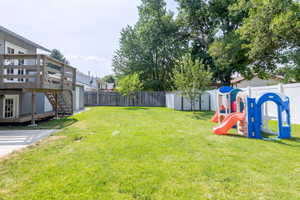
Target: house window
[(21, 72), (10, 50), (21, 61), (9, 108), (10, 71)]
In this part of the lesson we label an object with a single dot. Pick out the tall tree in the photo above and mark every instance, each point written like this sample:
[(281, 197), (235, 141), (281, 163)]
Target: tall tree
[(291, 70), (226, 50), (191, 78), (272, 32), (197, 26), (59, 56), (211, 32), (109, 79), (129, 85), (150, 47)]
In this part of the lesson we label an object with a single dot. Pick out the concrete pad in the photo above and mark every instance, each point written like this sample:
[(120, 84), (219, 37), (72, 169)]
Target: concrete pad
[(17, 139)]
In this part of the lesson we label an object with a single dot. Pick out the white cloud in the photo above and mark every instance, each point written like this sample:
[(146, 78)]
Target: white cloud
[(97, 66), (88, 58)]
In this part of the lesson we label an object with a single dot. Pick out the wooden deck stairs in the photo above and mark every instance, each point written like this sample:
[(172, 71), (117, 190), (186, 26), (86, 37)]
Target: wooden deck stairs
[(63, 102)]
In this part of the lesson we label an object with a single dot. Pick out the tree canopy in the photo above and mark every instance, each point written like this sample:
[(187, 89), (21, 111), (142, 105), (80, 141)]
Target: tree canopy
[(150, 47), (56, 54), (109, 79), (271, 32), (191, 78), (247, 37), (129, 85)]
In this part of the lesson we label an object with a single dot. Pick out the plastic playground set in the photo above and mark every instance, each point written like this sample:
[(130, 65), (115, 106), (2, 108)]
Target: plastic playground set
[(250, 116)]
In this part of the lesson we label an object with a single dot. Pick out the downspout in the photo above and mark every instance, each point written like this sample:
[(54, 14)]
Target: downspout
[(4, 46)]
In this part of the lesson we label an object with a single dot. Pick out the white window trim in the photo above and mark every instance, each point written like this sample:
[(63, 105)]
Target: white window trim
[(16, 105)]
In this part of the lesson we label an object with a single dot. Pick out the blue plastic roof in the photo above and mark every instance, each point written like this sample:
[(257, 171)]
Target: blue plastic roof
[(225, 89)]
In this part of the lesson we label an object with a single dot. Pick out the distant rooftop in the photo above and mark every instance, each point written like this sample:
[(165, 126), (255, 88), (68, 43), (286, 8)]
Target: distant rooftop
[(21, 38), (87, 80)]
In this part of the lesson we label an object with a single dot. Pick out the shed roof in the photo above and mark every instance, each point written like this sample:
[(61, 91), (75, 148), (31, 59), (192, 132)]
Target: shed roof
[(241, 78)]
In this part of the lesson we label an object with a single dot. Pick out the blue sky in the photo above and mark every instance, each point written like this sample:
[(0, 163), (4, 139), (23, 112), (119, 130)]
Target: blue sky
[(86, 31)]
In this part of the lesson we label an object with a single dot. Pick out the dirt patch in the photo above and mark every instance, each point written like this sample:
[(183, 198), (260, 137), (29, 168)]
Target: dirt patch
[(42, 142), (50, 139), (11, 155), (4, 192)]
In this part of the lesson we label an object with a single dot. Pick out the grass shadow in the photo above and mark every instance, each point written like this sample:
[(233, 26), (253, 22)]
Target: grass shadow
[(49, 123), (294, 139), (269, 136), (292, 142), (57, 123), (135, 108), (236, 135), (283, 142), (203, 115)]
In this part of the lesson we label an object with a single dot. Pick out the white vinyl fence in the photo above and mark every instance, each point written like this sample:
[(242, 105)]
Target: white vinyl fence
[(290, 90), (208, 99), (176, 101)]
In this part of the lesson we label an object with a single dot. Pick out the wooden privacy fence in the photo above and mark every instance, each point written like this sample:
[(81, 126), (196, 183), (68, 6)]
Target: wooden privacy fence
[(147, 99)]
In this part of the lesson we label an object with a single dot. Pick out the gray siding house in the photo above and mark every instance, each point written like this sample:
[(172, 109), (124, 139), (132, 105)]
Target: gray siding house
[(34, 86), (88, 82)]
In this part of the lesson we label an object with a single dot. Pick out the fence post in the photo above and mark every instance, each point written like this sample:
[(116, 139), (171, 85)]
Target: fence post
[(181, 102), (200, 102), (249, 91), (1, 70), (280, 88), (117, 100), (98, 97), (209, 102)]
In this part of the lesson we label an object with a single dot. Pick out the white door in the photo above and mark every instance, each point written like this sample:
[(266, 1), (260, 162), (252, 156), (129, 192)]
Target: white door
[(11, 106)]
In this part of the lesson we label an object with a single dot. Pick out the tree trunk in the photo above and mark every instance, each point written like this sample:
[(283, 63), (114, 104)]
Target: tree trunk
[(226, 81)]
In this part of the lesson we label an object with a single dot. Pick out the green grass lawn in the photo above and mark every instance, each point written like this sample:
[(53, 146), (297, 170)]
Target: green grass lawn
[(150, 153)]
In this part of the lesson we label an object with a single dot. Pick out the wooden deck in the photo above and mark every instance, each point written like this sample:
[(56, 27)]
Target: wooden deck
[(35, 72), (27, 118), (38, 73)]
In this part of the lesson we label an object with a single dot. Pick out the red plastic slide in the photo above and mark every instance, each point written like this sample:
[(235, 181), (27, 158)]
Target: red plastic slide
[(229, 122), (215, 118)]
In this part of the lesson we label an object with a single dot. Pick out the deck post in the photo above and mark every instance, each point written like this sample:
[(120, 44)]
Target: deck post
[(63, 75), (1, 70), (56, 105), (44, 65), (74, 91), (33, 108), (74, 79), (73, 101), (38, 71), (98, 100)]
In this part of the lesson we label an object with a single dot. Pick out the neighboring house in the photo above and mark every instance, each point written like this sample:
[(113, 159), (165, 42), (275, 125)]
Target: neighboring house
[(89, 83), (33, 86), (105, 87), (84, 83), (79, 97), (241, 82)]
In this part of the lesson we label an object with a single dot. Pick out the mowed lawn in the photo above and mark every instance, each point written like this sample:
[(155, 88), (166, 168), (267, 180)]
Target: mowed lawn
[(150, 153)]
